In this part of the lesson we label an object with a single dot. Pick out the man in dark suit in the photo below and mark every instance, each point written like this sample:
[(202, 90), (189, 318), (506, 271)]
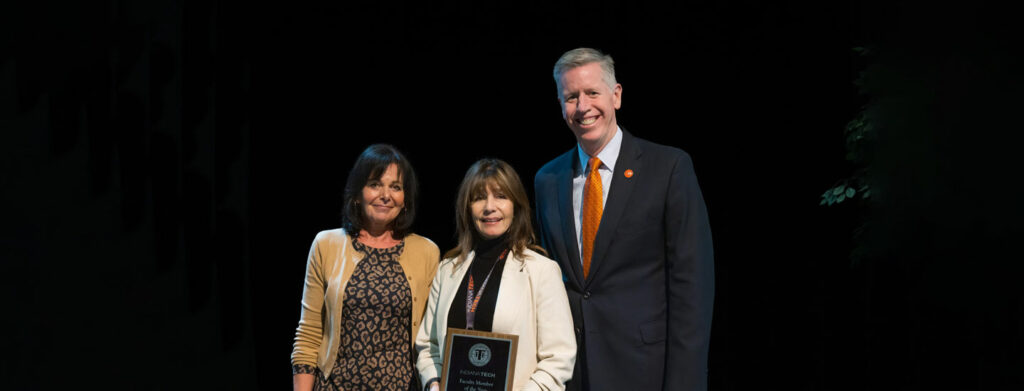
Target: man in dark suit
[(625, 219)]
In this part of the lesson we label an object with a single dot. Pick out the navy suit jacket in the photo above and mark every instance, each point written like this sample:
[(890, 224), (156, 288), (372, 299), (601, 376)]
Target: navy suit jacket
[(643, 315)]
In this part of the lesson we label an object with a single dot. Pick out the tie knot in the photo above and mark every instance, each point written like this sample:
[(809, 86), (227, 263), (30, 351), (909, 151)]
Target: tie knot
[(593, 164)]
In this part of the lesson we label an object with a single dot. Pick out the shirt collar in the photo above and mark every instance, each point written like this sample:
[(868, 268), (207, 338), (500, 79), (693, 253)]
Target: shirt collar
[(608, 155)]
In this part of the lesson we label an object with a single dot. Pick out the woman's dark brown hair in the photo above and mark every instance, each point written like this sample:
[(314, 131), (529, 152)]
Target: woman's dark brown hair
[(371, 165), (499, 177)]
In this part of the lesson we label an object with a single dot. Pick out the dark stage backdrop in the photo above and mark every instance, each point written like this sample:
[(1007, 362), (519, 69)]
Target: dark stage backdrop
[(166, 165)]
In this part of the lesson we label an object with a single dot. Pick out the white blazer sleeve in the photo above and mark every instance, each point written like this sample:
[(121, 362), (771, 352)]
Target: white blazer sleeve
[(428, 358), (556, 343)]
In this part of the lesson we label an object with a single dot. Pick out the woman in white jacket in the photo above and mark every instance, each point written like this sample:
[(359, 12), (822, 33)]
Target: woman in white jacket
[(511, 287)]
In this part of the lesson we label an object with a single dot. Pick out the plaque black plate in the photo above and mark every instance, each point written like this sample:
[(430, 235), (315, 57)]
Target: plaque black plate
[(478, 361)]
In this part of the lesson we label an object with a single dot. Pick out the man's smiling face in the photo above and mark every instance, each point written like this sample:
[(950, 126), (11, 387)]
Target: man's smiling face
[(589, 104)]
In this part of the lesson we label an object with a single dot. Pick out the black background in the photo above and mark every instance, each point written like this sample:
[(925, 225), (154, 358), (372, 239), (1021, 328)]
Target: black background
[(166, 165)]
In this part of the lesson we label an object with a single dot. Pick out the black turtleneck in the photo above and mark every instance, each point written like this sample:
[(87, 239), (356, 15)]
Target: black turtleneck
[(486, 253)]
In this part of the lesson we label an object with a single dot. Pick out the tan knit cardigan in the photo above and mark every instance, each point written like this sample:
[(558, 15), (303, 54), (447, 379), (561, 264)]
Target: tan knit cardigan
[(329, 266)]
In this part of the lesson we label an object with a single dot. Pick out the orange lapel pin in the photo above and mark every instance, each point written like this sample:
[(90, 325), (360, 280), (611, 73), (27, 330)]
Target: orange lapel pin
[(628, 173)]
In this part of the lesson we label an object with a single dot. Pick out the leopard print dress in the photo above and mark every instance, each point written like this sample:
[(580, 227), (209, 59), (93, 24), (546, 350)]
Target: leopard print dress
[(375, 351)]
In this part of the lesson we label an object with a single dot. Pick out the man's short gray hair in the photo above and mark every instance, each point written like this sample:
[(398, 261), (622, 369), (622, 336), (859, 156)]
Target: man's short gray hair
[(582, 56)]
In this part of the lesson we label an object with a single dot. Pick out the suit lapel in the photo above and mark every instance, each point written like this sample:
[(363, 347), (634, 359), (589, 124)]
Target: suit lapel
[(567, 216), (618, 199)]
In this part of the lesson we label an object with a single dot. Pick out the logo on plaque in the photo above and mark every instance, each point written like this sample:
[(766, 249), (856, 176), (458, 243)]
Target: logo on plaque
[(479, 354)]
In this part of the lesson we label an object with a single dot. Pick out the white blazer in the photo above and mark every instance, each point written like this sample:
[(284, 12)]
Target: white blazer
[(531, 304)]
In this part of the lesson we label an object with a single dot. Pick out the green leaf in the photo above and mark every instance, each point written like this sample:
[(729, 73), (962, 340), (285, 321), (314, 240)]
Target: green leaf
[(837, 190), (841, 198), (862, 50), (850, 192)]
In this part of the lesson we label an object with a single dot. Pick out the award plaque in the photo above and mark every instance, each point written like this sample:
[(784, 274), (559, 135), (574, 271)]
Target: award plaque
[(478, 361)]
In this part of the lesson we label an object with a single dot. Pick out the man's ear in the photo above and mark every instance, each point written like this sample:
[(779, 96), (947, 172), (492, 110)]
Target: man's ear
[(617, 93)]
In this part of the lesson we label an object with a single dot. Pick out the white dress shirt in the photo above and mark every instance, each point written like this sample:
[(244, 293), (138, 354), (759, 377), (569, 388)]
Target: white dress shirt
[(608, 156)]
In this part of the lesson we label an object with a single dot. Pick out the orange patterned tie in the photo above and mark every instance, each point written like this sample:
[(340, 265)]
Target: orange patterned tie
[(592, 209)]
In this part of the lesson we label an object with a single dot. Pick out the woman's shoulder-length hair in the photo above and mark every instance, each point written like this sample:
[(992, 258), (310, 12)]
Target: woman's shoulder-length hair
[(499, 176), (371, 165)]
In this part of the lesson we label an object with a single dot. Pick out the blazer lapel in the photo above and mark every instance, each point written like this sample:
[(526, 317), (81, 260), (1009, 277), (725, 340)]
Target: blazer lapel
[(567, 216), (452, 280), (618, 199), (510, 296)]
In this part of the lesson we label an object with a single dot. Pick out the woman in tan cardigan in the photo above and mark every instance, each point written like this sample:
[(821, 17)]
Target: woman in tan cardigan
[(366, 285)]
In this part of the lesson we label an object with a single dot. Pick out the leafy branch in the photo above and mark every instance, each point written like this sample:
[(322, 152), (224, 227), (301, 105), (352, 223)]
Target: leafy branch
[(859, 134)]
